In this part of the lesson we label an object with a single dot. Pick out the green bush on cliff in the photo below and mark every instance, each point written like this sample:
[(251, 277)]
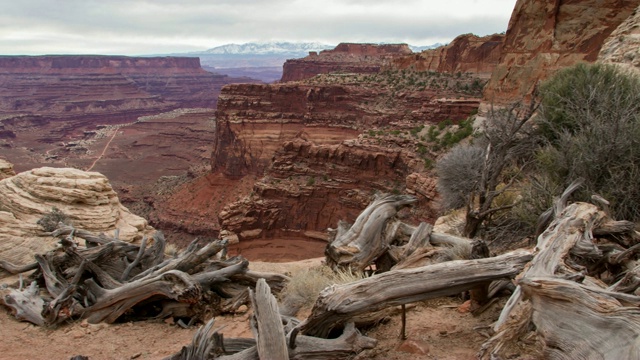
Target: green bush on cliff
[(590, 117)]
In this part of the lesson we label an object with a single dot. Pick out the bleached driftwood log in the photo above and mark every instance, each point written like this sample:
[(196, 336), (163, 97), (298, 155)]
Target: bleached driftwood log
[(108, 278), (576, 315), (337, 304), (270, 341), (369, 236)]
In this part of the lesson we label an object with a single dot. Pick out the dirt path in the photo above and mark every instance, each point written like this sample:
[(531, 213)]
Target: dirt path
[(115, 132)]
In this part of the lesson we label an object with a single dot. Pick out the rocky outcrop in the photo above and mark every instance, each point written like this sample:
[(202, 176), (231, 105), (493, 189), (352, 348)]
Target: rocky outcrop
[(6, 169), (622, 47), (545, 36), (467, 53), (85, 197), (309, 188), (254, 120), (345, 58)]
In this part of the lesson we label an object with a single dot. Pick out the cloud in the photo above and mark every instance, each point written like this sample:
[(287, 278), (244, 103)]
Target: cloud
[(162, 26)]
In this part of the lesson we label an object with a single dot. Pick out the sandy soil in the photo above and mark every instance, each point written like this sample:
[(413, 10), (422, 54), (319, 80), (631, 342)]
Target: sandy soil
[(436, 329)]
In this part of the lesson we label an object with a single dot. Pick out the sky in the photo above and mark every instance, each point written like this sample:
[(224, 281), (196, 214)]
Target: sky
[(139, 27)]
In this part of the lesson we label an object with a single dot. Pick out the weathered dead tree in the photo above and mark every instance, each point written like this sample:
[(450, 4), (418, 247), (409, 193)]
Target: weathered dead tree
[(378, 238), (269, 328), (266, 325), (107, 279), (563, 292), (369, 237), (338, 304)]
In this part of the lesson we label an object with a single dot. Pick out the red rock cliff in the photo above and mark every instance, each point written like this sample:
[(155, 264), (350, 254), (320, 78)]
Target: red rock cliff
[(544, 36), (466, 53), (346, 57), (254, 120), (110, 86)]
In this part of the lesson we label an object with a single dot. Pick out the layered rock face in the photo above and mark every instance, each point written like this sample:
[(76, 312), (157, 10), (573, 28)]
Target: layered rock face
[(254, 120), (112, 87), (467, 53), (346, 57), (310, 153), (545, 36), (309, 188), (85, 197), (622, 47)]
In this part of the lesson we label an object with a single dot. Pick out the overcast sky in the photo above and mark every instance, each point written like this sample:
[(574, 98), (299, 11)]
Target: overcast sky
[(137, 27)]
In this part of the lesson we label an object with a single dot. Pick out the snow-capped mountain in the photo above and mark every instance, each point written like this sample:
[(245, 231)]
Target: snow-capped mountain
[(417, 49), (268, 48)]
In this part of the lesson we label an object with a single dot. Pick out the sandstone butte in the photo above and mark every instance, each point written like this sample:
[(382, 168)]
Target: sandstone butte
[(346, 57), (467, 53), (86, 197), (298, 158)]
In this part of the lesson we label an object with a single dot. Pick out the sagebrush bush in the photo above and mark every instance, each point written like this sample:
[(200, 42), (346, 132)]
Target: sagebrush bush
[(590, 117)]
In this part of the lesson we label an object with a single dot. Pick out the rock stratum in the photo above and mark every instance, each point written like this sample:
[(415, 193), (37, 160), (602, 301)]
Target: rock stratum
[(467, 53), (291, 159), (545, 36), (346, 57), (86, 198)]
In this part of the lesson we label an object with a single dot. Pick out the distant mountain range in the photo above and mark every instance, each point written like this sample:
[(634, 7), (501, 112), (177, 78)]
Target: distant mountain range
[(267, 48), (260, 60)]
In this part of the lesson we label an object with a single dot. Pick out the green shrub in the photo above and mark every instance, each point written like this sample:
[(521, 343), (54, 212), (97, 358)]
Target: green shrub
[(311, 181), (590, 117)]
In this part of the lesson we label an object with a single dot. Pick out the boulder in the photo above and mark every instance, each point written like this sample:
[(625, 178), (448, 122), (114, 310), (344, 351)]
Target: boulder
[(86, 198)]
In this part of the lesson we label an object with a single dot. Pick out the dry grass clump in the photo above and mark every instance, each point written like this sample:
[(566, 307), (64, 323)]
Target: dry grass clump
[(305, 285)]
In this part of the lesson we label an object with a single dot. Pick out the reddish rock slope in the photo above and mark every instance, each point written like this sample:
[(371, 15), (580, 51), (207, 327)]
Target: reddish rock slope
[(544, 36), (466, 53), (346, 57)]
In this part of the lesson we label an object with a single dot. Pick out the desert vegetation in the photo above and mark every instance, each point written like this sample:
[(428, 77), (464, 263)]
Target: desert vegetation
[(396, 80)]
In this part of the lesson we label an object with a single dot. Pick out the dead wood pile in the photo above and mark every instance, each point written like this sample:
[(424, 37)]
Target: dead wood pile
[(576, 292), (106, 279)]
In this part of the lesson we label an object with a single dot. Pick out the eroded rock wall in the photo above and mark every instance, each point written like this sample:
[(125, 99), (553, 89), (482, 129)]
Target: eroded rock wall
[(309, 188), (346, 57), (622, 47), (467, 53), (545, 36), (253, 121)]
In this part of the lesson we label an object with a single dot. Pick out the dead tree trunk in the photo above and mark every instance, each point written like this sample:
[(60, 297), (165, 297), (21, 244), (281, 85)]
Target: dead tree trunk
[(597, 323), (267, 329), (337, 305), (368, 238)]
